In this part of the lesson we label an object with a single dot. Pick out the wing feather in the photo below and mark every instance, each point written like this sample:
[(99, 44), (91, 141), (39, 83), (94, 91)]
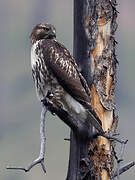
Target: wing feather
[(61, 63)]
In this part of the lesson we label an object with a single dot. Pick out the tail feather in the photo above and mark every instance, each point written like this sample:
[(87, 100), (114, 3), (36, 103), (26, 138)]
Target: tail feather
[(94, 120)]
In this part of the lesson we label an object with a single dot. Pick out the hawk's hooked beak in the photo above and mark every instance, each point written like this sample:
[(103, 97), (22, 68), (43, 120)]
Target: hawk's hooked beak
[(53, 33)]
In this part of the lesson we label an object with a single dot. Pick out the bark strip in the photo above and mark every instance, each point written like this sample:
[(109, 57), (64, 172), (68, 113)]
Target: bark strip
[(100, 25)]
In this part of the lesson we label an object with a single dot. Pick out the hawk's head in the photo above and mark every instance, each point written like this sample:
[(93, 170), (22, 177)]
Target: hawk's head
[(42, 31)]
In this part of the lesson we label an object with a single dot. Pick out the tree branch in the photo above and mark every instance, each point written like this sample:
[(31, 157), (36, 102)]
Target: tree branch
[(124, 168), (120, 159), (40, 159)]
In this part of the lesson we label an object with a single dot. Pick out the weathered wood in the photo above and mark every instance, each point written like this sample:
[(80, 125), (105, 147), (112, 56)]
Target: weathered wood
[(81, 53), (79, 147), (100, 25), (94, 52)]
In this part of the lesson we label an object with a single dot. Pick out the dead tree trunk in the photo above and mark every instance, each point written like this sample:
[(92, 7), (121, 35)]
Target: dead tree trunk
[(100, 27), (94, 52), (78, 146)]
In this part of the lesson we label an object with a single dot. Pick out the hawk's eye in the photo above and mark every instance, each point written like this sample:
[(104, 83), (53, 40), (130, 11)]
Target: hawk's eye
[(46, 29)]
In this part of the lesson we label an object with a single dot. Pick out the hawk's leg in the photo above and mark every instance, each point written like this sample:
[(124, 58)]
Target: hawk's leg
[(40, 159)]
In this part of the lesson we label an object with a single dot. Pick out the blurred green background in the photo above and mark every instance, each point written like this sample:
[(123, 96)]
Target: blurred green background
[(19, 107)]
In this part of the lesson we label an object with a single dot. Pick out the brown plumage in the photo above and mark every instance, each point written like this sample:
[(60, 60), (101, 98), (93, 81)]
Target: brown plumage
[(54, 71)]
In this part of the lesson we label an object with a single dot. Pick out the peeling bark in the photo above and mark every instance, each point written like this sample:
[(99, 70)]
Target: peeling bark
[(100, 25), (94, 51)]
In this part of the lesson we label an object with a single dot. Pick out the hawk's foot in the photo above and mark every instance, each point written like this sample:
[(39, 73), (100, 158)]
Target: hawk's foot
[(54, 99), (57, 103), (50, 100)]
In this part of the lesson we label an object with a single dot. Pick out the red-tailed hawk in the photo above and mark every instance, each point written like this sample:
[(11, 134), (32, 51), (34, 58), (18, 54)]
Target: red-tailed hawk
[(55, 72), (57, 77)]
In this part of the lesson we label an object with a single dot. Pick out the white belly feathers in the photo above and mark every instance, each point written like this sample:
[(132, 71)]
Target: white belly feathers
[(33, 54)]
